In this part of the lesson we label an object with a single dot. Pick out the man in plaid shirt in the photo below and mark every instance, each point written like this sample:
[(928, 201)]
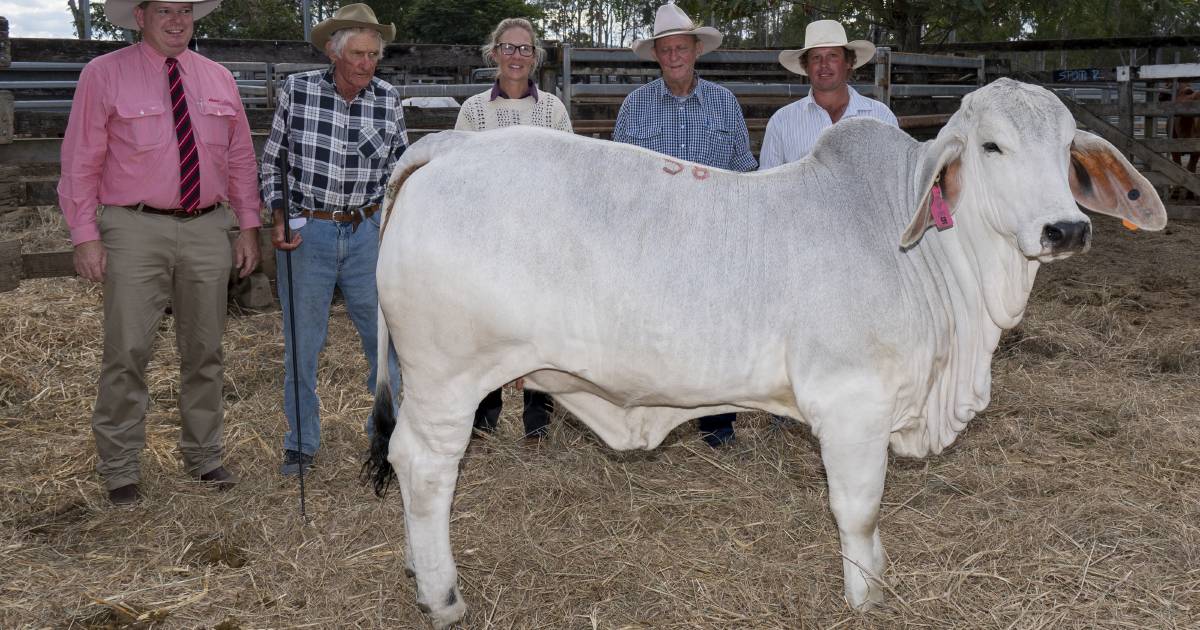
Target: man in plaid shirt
[(688, 118), (681, 114), (343, 130)]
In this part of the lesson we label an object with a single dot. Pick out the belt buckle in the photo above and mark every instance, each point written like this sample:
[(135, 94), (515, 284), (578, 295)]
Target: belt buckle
[(353, 217)]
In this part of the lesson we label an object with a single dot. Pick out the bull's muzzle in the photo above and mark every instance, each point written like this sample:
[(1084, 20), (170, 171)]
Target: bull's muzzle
[(1066, 237)]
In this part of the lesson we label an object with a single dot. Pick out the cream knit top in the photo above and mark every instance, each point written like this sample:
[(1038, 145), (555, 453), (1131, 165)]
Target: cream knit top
[(478, 113)]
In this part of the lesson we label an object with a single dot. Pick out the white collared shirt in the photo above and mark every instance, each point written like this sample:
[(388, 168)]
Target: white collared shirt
[(794, 129)]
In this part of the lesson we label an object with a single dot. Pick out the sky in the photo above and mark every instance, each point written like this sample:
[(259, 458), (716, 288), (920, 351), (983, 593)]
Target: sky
[(37, 18)]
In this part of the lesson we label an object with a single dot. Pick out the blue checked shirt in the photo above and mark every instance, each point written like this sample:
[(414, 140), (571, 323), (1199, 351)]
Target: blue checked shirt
[(340, 154), (706, 126)]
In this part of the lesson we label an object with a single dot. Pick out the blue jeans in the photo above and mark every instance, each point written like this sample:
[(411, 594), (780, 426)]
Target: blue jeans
[(331, 255)]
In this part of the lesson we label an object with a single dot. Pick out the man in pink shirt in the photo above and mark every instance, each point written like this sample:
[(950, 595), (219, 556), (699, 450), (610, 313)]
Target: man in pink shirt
[(157, 168)]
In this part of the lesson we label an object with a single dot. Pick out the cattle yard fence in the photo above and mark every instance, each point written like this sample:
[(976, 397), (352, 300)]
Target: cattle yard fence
[(1119, 102)]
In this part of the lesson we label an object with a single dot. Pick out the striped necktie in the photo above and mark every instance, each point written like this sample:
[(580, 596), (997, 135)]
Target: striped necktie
[(189, 162)]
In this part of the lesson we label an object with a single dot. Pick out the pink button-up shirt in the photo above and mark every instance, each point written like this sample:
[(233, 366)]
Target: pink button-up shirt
[(120, 147)]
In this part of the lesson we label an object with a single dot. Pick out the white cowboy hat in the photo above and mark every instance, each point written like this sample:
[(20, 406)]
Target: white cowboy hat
[(822, 34), (120, 12), (356, 15), (671, 20)]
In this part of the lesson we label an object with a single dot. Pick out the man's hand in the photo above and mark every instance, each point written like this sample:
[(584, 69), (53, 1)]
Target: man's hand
[(91, 260), (246, 252), (277, 235)]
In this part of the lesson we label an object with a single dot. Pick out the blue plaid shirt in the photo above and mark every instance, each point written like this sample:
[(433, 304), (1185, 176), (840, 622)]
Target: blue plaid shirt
[(340, 154), (706, 126)]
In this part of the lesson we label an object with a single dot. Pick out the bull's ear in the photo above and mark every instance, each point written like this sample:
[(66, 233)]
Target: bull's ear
[(941, 157), (1103, 181)]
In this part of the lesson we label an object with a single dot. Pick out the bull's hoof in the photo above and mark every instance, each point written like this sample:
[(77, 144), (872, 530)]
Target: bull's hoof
[(409, 573), (446, 613), (867, 599)]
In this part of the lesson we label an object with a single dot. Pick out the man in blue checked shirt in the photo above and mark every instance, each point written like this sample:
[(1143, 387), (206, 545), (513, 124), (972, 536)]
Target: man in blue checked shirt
[(343, 130), (688, 118), (681, 114)]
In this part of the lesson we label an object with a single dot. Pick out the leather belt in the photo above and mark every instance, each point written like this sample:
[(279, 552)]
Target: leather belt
[(179, 213), (355, 216)]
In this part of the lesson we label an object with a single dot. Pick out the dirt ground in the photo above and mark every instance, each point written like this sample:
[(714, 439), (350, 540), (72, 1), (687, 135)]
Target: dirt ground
[(1072, 502)]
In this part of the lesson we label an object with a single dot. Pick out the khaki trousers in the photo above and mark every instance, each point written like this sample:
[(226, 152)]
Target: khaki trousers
[(153, 260)]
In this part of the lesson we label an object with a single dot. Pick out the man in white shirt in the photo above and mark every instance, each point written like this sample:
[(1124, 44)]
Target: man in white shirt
[(827, 59)]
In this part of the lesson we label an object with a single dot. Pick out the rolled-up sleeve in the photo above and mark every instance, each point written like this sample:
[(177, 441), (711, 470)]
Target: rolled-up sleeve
[(243, 168), (743, 159), (272, 182), (399, 141), (772, 146), (620, 128)]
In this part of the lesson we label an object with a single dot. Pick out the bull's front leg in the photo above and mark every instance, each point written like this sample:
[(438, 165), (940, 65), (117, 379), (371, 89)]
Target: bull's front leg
[(855, 469), (425, 457)]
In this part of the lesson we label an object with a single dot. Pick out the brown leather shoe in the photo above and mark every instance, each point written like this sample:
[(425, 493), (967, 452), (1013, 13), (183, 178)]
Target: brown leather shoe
[(125, 496), (219, 477)]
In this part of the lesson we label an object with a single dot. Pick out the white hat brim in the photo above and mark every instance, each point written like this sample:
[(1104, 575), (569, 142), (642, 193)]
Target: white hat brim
[(120, 12), (864, 53), (710, 39)]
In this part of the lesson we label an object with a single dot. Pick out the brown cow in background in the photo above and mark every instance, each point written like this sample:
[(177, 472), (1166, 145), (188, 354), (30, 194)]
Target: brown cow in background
[(1184, 126)]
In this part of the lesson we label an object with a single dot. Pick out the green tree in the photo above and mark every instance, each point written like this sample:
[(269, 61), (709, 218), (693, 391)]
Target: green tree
[(462, 21), (101, 27), (253, 19)]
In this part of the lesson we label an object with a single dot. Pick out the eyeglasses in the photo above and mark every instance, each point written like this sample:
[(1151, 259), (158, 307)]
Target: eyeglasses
[(510, 49)]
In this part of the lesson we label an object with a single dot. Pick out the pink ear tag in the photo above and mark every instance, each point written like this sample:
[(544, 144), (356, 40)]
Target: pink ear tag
[(940, 210)]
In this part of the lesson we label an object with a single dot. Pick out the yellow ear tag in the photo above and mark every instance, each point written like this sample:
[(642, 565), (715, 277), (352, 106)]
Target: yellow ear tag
[(1129, 226)]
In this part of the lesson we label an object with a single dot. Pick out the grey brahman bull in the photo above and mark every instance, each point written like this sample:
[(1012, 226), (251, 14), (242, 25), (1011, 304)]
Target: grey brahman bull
[(833, 299)]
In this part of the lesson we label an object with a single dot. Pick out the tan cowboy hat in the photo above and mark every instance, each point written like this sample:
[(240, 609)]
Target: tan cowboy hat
[(120, 12), (822, 34), (355, 15), (671, 20)]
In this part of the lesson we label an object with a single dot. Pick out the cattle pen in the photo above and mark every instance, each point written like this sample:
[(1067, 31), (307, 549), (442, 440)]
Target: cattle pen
[(1073, 501)]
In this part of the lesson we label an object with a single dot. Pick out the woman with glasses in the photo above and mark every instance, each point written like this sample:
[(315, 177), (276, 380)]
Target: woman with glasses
[(513, 99)]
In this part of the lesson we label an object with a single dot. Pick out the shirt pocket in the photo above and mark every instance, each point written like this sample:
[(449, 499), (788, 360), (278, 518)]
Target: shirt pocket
[(719, 140), (649, 136), (372, 143), (214, 124), (143, 125)]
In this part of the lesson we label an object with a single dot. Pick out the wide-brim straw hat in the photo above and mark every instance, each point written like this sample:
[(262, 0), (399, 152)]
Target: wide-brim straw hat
[(671, 20), (822, 34), (120, 12), (355, 15)]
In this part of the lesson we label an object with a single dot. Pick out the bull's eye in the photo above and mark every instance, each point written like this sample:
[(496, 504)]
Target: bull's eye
[(991, 147)]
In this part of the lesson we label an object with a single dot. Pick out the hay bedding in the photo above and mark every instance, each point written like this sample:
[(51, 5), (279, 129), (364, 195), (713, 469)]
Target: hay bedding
[(1071, 503)]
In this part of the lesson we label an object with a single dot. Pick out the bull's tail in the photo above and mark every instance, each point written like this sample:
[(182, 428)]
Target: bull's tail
[(377, 471), (414, 157)]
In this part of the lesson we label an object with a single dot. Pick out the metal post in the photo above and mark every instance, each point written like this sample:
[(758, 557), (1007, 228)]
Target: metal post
[(270, 80), (1125, 104), (85, 11), (883, 75), (566, 78), (1152, 96), (306, 17)]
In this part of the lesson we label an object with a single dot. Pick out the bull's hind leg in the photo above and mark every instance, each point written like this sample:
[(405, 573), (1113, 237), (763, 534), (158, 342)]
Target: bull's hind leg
[(425, 451), (855, 465)]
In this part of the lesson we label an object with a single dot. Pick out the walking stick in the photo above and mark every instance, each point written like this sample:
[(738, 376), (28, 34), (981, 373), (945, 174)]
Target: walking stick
[(287, 257)]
